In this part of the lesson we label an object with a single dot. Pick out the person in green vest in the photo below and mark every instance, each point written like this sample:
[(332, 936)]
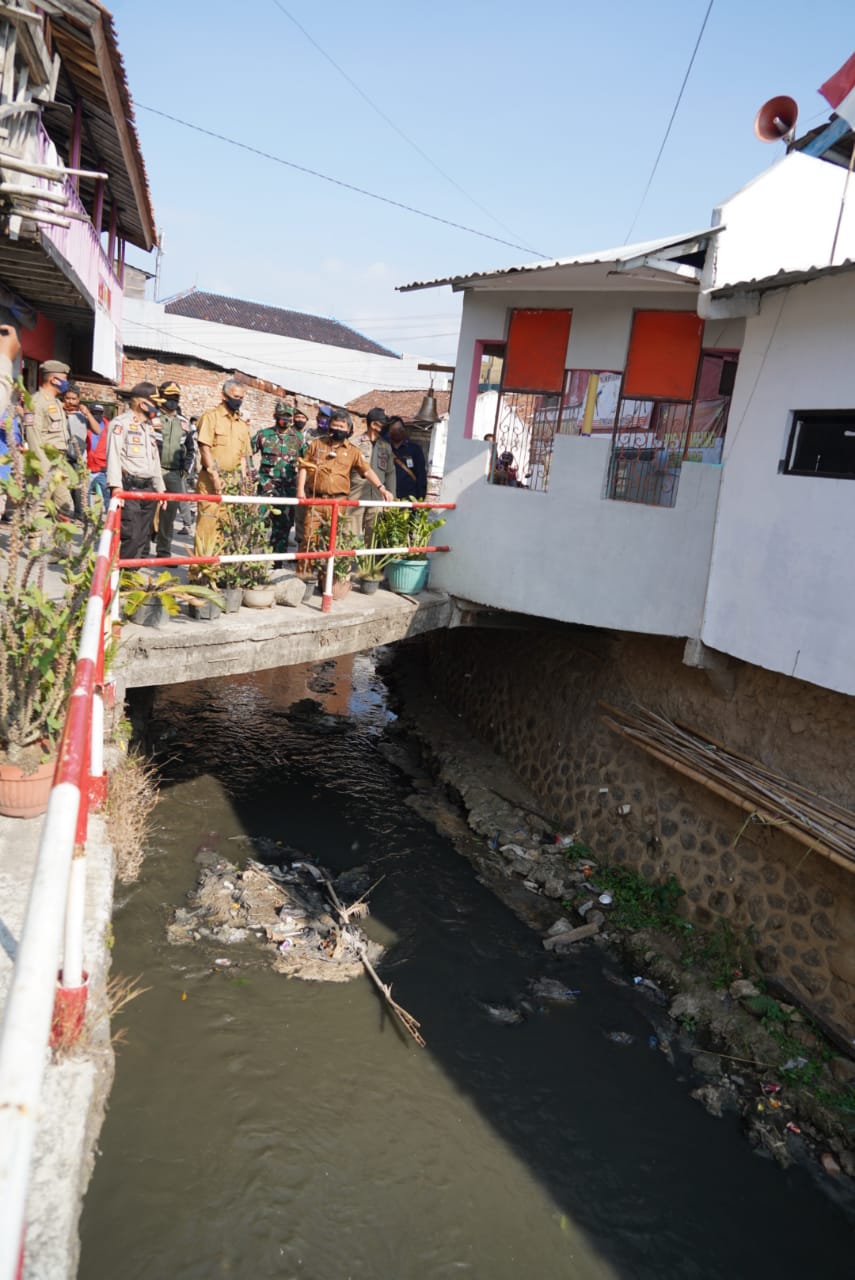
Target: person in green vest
[(173, 457)]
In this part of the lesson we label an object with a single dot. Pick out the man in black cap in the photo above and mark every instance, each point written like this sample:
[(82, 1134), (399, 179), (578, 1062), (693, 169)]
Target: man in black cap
[(133, 462), (377, 452), (173, 459)]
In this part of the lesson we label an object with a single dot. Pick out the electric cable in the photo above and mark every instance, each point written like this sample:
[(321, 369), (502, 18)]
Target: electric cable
[(670, 122), (338, 182), (390, 122)]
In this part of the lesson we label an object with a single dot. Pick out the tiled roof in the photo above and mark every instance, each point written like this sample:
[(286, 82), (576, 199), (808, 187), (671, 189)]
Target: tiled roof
[(398, 404), (215, 307)]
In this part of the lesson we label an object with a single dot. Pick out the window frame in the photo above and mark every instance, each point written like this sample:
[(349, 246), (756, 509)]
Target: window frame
[(797, 416)]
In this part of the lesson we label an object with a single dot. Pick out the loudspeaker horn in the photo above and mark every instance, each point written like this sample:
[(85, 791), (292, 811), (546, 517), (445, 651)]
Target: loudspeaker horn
[(776, 119)]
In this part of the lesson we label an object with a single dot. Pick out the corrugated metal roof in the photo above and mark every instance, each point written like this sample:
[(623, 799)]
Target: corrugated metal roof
[(623, 253), (782, 279)]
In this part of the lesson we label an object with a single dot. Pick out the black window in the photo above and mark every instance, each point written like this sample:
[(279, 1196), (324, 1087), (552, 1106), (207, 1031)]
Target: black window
[(822, 443)]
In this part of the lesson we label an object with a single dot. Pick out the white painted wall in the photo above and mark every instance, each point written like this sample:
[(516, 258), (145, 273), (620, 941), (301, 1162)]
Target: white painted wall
[(782, 584), (570, 553), (783, 220), (337, 374)]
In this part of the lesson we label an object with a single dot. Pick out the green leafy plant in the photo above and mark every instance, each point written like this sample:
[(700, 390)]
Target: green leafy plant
[(403, 527), (139, 588), (39, 627), (244, 530), (641, 903), (372, 566)]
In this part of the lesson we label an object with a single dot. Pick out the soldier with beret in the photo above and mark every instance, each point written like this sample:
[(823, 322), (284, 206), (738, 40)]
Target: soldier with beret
[(49, 427), (133, 462), (281, 448)]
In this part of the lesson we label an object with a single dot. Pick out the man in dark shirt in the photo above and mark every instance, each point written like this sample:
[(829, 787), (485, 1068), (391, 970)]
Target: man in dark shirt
[(410, 467)]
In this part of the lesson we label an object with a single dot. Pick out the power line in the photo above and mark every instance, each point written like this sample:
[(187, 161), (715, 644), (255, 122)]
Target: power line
[(670, 122), (390, 122), (338, 182)]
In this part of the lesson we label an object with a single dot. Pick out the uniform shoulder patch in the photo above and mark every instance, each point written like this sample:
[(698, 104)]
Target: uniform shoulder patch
[(117, 431)]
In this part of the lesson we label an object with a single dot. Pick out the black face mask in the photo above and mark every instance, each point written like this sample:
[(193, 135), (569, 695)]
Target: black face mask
[(338, 436), (172, 406), (233, 403)]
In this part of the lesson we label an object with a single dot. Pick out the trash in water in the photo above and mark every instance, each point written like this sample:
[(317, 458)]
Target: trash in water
[(516, 849), (501, 1013), (771, 1088), (550, 989), (222, 961), (792, 1127), (564, 841), (795, 1064), (620, 1037), (286, 944), (605, 899), (651, 988), (653, 1042)]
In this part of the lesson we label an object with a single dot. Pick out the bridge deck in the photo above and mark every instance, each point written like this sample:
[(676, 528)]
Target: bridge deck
[(257, 639)]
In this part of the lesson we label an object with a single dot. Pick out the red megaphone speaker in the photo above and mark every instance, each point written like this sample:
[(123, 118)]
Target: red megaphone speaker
[(776, 119)]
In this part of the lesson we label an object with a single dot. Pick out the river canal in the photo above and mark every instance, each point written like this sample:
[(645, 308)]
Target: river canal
[(263, 1128)]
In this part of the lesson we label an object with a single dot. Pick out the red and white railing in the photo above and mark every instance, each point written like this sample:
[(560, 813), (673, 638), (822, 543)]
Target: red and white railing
[(41, 1009), (330, 554)]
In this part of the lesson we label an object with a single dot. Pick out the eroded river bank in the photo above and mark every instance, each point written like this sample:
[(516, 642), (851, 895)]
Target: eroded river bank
[(261, 1126)]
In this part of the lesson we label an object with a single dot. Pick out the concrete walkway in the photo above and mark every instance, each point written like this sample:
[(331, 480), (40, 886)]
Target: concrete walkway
[(76, 1086)]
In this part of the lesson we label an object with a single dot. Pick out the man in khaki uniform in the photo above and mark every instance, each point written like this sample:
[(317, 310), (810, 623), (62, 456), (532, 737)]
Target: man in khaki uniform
[(382, 459), (49, 428), (325, 473), (225, 449), (133, 462)]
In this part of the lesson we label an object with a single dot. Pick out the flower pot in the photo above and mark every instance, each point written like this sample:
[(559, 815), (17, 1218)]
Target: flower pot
[(310, 589), (233, 597), (370, 585), (204, 611), (150, 613), (25, 795), (259, 597), (407, 577)]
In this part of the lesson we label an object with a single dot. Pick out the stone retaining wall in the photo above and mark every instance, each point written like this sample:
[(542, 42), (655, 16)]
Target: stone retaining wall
[(533, 695)]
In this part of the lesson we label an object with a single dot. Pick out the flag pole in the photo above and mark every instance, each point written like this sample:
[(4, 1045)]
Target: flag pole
[(842, 205)]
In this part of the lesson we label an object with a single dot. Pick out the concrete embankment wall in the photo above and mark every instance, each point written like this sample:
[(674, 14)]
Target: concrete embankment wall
[(533, 695)]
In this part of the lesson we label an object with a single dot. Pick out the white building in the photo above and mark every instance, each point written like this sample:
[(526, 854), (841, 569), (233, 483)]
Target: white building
[(674, 395)]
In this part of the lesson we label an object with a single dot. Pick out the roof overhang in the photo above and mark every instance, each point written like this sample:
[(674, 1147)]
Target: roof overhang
[(85, 38), (670, 262)]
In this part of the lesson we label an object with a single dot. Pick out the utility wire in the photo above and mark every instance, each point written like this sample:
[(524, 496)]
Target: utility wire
[(391, 123), (338, 182), (670, 122)]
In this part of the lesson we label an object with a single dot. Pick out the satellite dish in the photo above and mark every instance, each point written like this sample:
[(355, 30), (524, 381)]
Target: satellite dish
[(776, 119)]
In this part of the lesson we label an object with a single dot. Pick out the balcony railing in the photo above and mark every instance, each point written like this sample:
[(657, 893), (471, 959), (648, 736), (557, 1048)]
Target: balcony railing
[(79, 243)]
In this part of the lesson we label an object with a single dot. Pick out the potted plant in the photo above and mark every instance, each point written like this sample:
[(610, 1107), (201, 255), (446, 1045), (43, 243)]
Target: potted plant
[(370, 568), (222, 578), (342, 565), (41, 616), (150, 598), (412, 528), (244, 531)]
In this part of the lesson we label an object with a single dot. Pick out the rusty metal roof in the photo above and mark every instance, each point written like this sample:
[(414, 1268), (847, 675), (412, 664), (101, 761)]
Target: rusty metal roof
[(623, 253), (84, 35)]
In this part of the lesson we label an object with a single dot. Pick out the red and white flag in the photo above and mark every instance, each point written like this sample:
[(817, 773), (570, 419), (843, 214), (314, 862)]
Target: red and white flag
[(839, 90)]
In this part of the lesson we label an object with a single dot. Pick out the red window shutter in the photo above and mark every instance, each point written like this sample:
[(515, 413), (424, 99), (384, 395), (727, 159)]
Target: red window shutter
[(536, 351), (664, 350)]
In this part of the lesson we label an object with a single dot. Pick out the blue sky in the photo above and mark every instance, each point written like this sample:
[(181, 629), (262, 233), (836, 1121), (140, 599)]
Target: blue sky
[(549, 114)]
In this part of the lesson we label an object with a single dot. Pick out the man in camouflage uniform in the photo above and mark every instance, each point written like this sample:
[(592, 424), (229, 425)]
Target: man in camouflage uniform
[(281, 447)]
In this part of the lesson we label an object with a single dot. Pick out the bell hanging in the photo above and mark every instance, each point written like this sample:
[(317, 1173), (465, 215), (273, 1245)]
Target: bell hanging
[(427, 415)]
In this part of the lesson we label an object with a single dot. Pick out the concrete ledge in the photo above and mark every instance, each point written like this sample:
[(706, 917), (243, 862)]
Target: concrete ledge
[(258, 639)]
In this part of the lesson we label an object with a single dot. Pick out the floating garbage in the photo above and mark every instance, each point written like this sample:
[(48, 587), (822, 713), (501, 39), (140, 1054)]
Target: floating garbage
[(502, 1013), (620, 1037), (651, 988), (794, 1064), (771, 1089), (551, 989), (653, 1042), (605, 899), (792, 1127)]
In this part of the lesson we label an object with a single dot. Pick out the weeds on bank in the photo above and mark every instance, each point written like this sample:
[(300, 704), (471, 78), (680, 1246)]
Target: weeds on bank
[(721, 951), (120, 992), (131, 797), (643, 904)]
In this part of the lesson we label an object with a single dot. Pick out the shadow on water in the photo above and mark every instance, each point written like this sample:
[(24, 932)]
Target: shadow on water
[(261, 1127)]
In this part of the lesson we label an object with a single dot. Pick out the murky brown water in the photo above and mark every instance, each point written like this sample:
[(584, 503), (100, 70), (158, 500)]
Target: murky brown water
[(265, 1128)]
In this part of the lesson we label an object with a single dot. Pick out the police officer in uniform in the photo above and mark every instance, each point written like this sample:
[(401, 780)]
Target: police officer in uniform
[(378, 452), (133, 463), (49, 428), (173, 461)]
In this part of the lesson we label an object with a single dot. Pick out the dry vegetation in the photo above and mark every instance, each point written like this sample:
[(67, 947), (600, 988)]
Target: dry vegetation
[(131, 797)]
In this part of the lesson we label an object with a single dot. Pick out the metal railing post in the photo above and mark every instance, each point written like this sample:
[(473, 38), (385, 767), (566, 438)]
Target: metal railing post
[(326, 601)]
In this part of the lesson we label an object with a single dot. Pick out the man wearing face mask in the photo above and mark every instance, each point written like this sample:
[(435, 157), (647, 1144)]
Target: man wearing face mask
[(281, 448), (325, 473), (225, 450), (49, 428), (133, 462), (322, 424), (172, 455)]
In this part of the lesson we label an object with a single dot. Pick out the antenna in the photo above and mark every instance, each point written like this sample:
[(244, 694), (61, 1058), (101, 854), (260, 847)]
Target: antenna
[(776, 119)]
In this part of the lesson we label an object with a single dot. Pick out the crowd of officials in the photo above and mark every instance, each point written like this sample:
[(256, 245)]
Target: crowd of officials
[(153, 447)]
